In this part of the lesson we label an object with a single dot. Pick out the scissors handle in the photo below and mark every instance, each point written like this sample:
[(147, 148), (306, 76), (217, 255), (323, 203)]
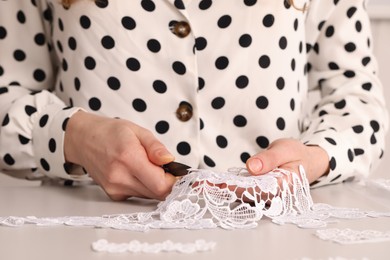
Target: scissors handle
[(176, 168)]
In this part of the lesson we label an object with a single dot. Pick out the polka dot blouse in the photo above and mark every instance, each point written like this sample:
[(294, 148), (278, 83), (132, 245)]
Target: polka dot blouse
[(216, 81)]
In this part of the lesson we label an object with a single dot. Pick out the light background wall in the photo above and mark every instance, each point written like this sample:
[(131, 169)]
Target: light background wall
[(379, 11)]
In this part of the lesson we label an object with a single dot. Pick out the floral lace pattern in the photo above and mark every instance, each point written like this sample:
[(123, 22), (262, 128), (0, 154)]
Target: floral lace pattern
[(136, 246), (350, 236), (234, 199)]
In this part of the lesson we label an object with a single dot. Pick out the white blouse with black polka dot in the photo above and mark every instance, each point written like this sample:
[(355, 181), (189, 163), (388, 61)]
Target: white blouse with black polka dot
[(216, 81)]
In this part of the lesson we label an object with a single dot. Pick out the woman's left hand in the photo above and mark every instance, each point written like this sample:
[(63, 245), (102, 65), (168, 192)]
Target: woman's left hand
[(288, 154)]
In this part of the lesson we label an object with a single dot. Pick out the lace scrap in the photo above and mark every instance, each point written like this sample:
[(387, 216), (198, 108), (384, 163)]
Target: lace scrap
[(136, 246), (350, 236)]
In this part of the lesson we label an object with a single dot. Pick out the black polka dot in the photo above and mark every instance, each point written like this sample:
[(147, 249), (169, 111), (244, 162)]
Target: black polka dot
[(264, 61), (162, 127), (358, 151), (245, 40), (133, 64), (8, 159), (222, 142), (23, 140), (367, 86), (335, 178), (200, 43), (268, 20), (19, 55), (350, 47), (218, 102), (329, 31), (43, 121), (366, 60), (280, 83), (244, 157), (242, 81), (222, 63), (283, 43), (21, 17), (128, 23), (358, 129), (85, 22), (351, 11), (65, 123), (45, 165), (205, 4), (208, 161), (262, 102), (5, 120), (332, 163), (239, 121), (183, 148), (30, 110), (201, 83), (224, 21), (90, 63), (39, 75), (101, 3), (179, 68), (94, 103), (153, 45), (3, 32), (148, 5), (374, 125), (52, 145), (262, 141), (108, 42), (350, 155), (72, 43), (113, 83), (139, 105), (280, 123), (330, 140), (341, 104), (77, 83), (159, 86)]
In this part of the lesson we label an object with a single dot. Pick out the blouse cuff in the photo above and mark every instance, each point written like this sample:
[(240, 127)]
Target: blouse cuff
[(48, 134), (340, 154)]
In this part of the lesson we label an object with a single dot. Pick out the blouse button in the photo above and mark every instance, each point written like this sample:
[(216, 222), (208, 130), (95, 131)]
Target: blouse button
[(181, 29), (184, 111)]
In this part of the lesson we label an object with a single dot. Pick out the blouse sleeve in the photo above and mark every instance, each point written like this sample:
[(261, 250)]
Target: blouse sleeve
[(33, 120), (350, 119)]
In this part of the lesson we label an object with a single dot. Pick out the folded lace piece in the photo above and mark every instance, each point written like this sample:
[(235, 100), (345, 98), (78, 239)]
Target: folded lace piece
[(349, 236), (232, 200), (136, 246)]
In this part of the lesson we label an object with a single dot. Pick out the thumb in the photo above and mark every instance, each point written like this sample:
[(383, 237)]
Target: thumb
[(278, 153), (156, 151)]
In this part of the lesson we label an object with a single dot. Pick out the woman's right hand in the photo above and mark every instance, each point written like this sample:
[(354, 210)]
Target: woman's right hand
[(120, 156)]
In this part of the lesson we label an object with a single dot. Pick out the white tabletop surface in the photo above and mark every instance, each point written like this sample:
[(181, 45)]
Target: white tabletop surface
[(267, 241)]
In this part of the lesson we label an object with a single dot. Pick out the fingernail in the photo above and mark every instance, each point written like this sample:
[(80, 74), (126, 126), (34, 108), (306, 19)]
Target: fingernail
[(165, 155), (255, 165)]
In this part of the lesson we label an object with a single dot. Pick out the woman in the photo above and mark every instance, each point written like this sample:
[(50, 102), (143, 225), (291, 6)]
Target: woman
[(207, 83)]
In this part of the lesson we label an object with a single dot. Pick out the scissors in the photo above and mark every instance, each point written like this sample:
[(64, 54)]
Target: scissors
[(176, 169)]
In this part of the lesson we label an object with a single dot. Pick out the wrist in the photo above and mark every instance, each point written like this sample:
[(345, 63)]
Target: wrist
[(74, 136)]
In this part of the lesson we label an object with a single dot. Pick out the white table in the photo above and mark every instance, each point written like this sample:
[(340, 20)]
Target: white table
[(267, 241)]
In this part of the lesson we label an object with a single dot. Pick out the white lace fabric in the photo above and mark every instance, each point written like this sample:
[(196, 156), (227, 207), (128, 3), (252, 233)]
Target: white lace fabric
[(136, 246), (349, 236), (234, 199), (205, 199)]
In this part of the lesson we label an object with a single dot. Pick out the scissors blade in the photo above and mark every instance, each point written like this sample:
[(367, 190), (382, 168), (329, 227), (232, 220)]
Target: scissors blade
[(176, 168)]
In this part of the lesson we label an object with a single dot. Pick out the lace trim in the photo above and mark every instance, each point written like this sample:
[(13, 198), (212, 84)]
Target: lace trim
[(349, 236), (136, 246), (234, 199), (205, 199)]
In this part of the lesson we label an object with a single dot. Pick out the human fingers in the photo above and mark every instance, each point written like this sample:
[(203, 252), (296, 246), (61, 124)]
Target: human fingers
[(155, 150), (280, 152)]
